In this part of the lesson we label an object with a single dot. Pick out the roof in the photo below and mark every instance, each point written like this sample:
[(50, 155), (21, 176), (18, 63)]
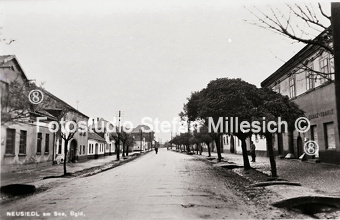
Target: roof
[(293, 62), (95, 136), (144, 128), (44, 113), (59, 100), (6, 58)]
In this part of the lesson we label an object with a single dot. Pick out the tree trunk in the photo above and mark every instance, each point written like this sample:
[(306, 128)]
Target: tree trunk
[(209, 152), (246, 163), (123, 154), (188, 148), (65, 156), (117, 151), (127, 151), (269, 140), (218, 147)]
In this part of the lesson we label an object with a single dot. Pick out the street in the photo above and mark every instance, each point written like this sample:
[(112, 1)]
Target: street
[(167, 185)]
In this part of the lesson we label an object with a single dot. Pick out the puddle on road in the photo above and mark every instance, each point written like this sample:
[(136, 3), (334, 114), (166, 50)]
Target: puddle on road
[(314, 206), (17, 189)]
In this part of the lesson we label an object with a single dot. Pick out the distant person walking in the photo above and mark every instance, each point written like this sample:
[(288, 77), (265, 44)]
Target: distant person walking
[(252, 151), (156, 149)]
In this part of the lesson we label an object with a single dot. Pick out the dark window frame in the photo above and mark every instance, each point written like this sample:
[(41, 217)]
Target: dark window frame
[(23, 142), (47, 143), (39, 142), (10, 141)]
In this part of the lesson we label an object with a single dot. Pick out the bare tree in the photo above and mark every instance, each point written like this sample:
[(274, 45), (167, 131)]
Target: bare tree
[(300, 23), (67, 129), (4, 39)]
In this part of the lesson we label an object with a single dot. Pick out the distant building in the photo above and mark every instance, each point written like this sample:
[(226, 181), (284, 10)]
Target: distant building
[(144, 138), (106, 130), (96, 146)]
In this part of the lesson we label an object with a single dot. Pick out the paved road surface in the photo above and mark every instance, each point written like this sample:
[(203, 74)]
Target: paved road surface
[(167, 185)]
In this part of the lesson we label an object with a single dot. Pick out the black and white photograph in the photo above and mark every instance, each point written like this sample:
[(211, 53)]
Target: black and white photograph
[(158, 109)]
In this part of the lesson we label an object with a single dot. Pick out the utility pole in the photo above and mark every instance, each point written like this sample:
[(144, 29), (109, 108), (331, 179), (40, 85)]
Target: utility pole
[(171, 140), (335, 15), (118, 134)]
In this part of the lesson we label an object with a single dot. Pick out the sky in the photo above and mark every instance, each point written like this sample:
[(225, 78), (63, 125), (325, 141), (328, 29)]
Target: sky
[(140, 57)]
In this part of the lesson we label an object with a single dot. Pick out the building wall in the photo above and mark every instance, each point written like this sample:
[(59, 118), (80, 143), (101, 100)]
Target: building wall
[(95, 149), (320, 108), (147, 138), (31, 158), (316, 96), (231, 144)]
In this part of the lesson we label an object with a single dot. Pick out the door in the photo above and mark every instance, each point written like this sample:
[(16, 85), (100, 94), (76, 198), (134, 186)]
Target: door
[(73, 151)]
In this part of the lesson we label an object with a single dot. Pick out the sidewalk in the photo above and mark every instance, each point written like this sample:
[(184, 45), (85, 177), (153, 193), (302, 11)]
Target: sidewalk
[(30, 176), (318, 177)]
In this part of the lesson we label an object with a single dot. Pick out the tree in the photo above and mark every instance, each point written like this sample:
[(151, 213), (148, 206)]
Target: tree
[(203, 136), (116, 137), (68, 127), (194, 142), (15, 104), (273, 107), (127, 141), (3, 39), (230, 98), (241, 102), (301, 24), (182, 140)]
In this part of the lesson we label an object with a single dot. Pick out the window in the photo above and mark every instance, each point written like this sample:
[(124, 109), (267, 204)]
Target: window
[(326, 66), (23, 142), (39, 140), (84, 149), (329, 135), (47, 143), (310, 77), (10, 141), (292, 93), (313, 133)]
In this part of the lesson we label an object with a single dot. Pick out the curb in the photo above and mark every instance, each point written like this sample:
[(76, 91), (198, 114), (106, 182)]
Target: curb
[(270, 183)]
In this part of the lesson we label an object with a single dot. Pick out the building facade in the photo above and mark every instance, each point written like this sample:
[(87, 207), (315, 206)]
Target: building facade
[(144, 138), (23, 143), (29, 143), (96, 146), (308, 80)]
